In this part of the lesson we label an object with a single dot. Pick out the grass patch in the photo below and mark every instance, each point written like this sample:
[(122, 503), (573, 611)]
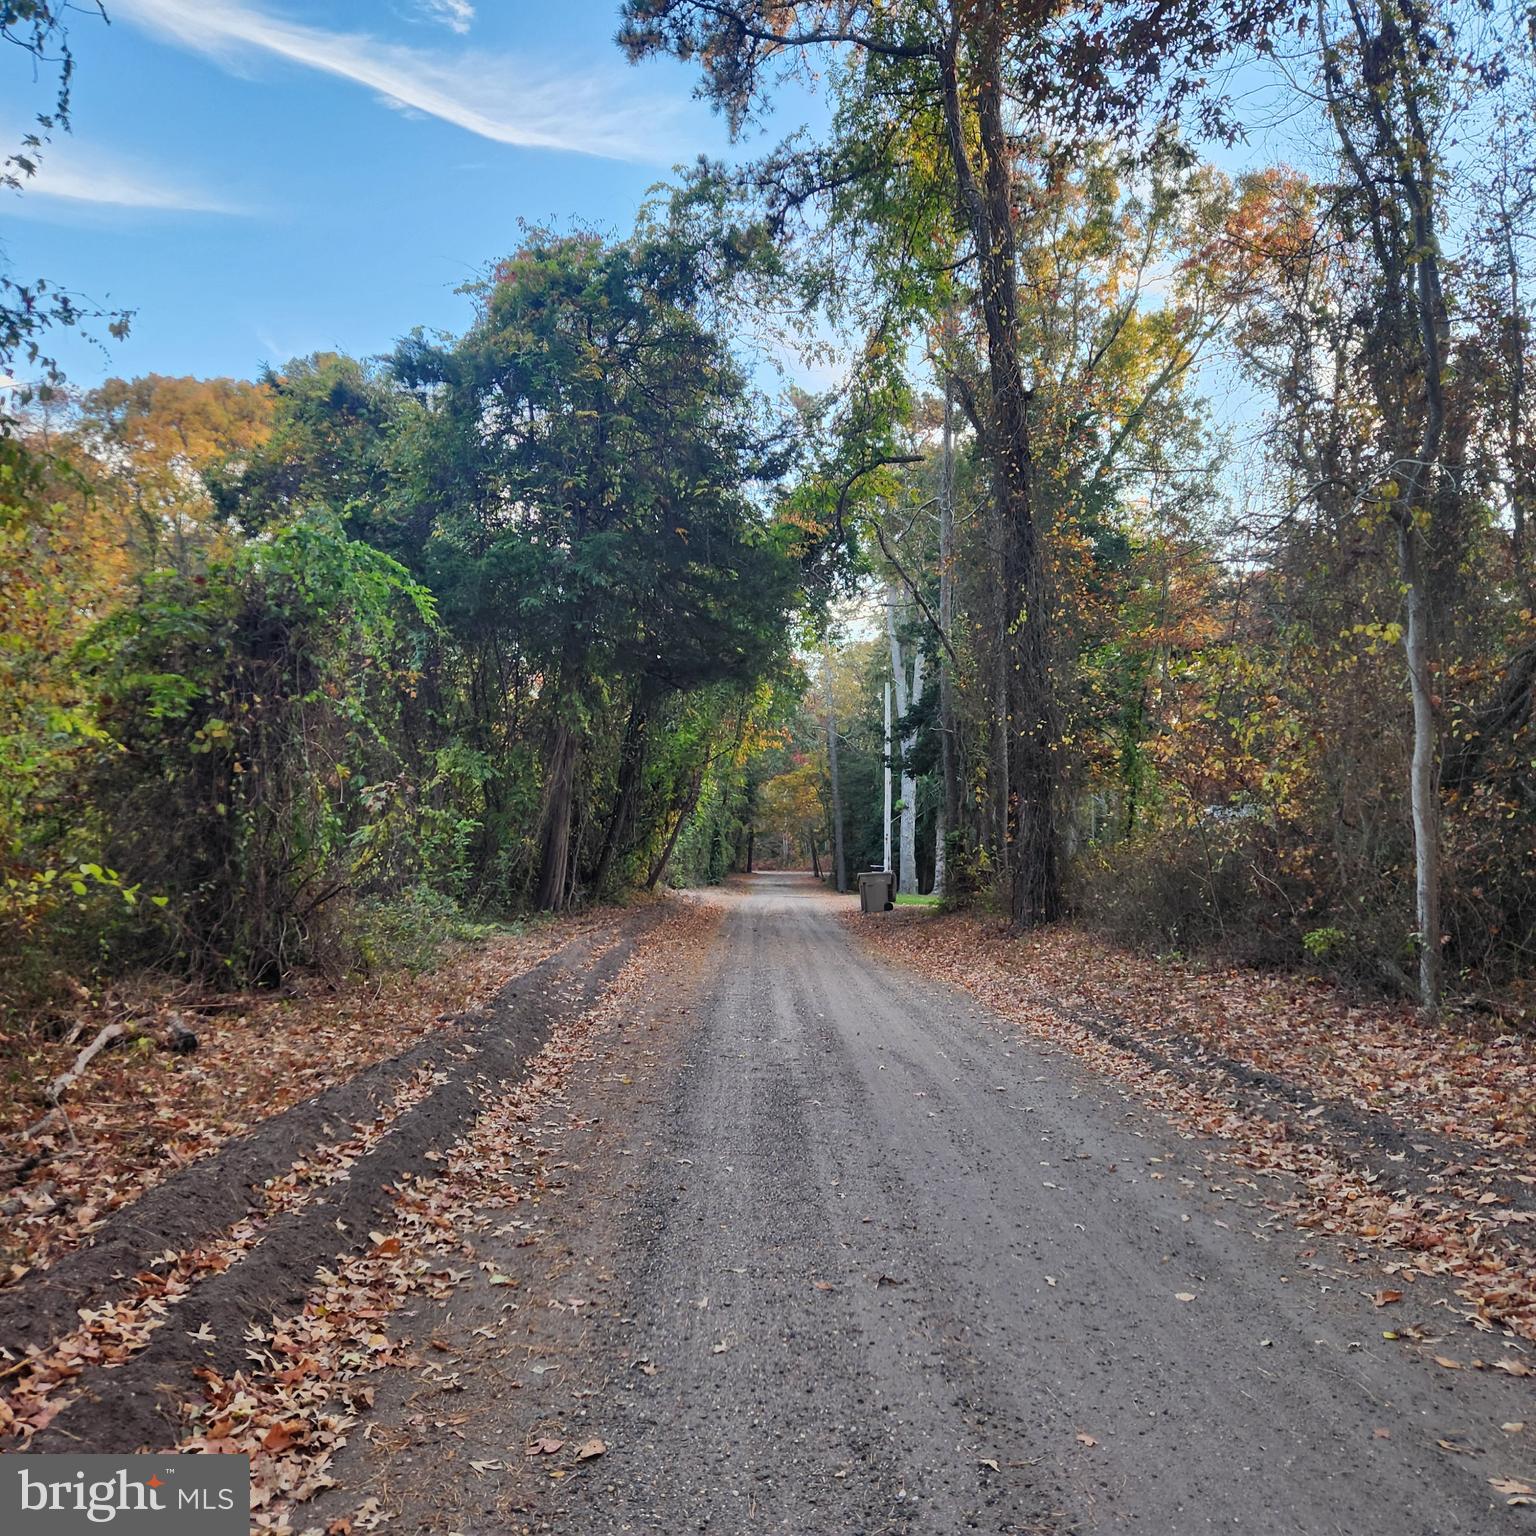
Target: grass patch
[(917, 901)]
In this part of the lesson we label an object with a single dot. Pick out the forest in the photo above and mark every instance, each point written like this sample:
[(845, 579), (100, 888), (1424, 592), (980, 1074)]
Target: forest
[(814, 809), (1181, 500)]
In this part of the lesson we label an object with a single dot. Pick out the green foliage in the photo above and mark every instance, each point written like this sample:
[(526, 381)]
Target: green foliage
[(408, 931), (326, 662), (588, 450), (250, 714), (1323, 943)]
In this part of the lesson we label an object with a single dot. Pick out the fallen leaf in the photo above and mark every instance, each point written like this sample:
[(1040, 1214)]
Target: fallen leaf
[(589, 1449), (545, 1446), (1459, 1445), (1386, 1298), (282, 1435), (1510, 1485), (1183, 1295), (1086, 1440)]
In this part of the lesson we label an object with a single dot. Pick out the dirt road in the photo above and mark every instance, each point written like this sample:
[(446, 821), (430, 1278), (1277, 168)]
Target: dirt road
[(839, 1254)]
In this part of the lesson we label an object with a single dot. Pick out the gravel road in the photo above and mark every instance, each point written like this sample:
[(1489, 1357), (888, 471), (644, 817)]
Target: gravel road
[(866, 1261)]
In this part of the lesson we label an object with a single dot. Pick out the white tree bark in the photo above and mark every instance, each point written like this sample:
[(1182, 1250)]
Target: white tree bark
[(906, 696), (1423, 782), (887, 839)]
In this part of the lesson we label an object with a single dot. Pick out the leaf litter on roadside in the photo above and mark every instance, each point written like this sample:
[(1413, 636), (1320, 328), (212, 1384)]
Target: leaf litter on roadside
[(293, 1408)]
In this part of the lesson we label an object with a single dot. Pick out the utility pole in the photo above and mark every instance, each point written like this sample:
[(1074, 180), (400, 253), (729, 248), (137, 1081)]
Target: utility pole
[(887, 865)]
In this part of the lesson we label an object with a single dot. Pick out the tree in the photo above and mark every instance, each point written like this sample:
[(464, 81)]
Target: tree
[(599, 446), (1383, 74), (834, 775), (947, 80), (151, 446), (28, 310), (949, 747), (253, 712), (909, 696)]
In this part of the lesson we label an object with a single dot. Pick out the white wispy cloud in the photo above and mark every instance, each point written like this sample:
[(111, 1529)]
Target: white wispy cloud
[(456, 15), (72, 172), (491, 95)]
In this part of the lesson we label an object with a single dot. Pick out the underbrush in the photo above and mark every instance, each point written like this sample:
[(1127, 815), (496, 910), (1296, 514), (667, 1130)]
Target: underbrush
[(410, 931), (1239, 894)]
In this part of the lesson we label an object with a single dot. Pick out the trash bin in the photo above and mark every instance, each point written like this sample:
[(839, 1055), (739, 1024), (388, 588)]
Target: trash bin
[(877, 890)]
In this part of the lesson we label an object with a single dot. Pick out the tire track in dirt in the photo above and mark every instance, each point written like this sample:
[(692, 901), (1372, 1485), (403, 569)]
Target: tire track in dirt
[(123, 1406)]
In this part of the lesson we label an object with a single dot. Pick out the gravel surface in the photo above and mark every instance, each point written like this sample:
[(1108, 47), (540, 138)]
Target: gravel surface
[(859, 1259)]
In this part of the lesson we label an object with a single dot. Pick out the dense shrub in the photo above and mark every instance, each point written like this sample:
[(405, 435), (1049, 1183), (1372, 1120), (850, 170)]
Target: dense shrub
[(251, 765)]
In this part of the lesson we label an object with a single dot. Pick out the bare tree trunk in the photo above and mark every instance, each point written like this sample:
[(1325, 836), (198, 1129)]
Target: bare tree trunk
[(689, 805), (1000, 792), (631, 767), (1424, 788), (1519, 455), (906, 699), (949, 817), (909, 882), (555, 835), (887, 839)]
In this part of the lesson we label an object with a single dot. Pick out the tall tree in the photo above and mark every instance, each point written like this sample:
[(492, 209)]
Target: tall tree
[(603, 448), (909, 693), (1383, 69), (834, 774), (950, 78), (949, 746)]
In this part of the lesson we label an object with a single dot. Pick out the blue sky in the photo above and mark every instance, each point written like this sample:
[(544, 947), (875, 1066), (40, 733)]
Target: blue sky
[(259, 179)]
